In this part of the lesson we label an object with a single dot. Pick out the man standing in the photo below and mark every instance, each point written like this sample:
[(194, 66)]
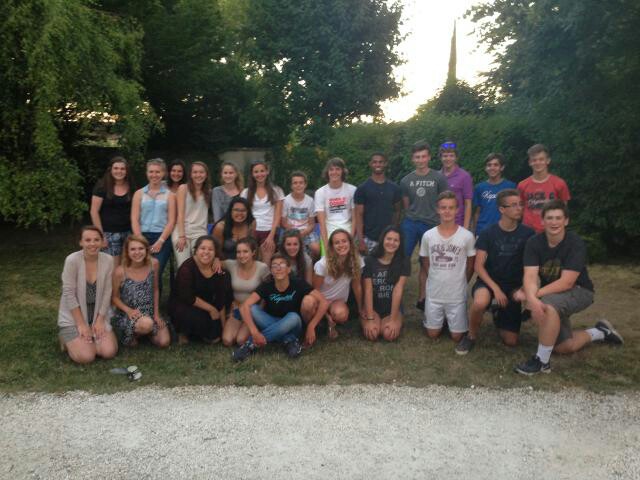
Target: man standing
[(378, 202), (499, 252), (420, 190), (484, 195), (459, 182), (557, 285)]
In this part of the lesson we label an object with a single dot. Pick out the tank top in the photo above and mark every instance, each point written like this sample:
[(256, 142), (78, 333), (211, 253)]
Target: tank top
[(195, 216), (154, 210)]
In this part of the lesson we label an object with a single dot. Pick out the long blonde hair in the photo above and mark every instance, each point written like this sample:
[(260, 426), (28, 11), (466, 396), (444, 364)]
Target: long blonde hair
[(124, 256), (350, 266), (239, 181)]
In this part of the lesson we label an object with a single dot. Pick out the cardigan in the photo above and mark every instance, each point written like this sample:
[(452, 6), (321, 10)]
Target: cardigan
[(74, 288)]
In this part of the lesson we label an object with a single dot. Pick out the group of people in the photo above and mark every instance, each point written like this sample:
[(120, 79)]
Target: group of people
[(275, 268)]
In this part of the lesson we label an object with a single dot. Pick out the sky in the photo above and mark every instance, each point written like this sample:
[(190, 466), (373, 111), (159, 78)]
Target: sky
[(428, 25)]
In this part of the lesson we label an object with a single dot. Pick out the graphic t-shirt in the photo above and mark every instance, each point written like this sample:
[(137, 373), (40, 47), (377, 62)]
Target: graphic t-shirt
[(382, 287), (337, 204), (484, 197), (569, 254), (297, 212), (379, 200), (447, 280), (422, 192), (279, 303), (333, 288), (505, 251), (262, 209), (459, 182), (536, 194)]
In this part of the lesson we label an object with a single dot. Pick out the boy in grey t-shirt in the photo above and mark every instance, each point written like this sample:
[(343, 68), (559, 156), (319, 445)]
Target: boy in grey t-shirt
[(420, 190)]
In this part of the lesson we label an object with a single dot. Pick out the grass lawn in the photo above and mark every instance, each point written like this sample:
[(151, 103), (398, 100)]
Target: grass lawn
[(30, 359)]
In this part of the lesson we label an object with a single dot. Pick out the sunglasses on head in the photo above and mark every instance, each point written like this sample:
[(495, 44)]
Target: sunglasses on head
[(448, 145)]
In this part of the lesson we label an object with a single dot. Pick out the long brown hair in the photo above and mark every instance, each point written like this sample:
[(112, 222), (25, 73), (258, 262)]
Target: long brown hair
[(253, 186), (124, 257), (349, 266), (108, 183), (299, 260), (206, 186), (239, 181)]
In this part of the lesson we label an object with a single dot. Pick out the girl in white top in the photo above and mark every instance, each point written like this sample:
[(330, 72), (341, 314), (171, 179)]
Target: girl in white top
[(232, 185), (193, 211), (265, 201), (334, 273), (334, 202), (246, 274)]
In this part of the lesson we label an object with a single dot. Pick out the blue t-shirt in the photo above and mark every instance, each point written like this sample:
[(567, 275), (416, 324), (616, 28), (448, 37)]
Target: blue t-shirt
[(484, 196)]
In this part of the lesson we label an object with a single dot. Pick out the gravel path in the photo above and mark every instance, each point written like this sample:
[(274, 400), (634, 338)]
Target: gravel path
[(321, 432)]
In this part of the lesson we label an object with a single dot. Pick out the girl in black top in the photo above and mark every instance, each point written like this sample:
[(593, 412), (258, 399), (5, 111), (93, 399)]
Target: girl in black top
[(201, 295), (111, 206), (385, 273), (237, 223)]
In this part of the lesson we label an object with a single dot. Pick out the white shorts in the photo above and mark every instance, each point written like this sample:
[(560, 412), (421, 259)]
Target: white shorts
[(455, 313)]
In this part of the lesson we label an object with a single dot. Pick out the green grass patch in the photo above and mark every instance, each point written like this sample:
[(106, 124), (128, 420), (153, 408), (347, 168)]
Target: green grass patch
[(30, 359)]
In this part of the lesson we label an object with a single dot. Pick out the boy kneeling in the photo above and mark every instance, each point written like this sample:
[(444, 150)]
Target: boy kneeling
[(558, 259)]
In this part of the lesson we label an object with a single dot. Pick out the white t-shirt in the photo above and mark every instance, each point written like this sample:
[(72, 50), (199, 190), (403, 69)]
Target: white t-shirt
[(263, 210), (296, 212), (337, 204), (447, 281), (333, 288)]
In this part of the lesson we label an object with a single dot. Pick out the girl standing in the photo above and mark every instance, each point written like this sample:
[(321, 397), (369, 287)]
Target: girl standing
[(232, 185), (153, 214), (176, 177), (265, 202), (111, 206), (136, 295), (193, 211)]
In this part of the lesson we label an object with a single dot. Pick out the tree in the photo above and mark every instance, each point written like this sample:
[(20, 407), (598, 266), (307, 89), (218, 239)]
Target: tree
[(325, 62), (573, 70), (66, 67)]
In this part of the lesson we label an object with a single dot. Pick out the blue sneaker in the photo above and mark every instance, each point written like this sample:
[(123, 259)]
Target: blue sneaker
[(244, 351)]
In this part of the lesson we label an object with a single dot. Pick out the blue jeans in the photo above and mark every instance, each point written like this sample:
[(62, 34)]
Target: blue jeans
[(162, 256), (413, 230), (276, 329)]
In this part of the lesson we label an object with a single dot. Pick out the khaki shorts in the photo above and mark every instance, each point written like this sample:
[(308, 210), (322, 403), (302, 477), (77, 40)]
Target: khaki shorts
[(566, 304)]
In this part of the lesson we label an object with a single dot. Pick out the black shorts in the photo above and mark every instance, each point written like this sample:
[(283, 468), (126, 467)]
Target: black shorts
[(508, 318)]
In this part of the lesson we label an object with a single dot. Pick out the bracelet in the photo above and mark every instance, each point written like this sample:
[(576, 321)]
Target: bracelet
[(161, 239)]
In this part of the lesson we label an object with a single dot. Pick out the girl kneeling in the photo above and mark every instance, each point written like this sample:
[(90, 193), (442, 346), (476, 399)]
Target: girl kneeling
[(136, 295), (385, 273), (202, 294), (85, 331), (334, 273)]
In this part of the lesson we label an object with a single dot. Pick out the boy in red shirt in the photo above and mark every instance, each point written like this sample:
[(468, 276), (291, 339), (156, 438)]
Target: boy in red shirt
[(540, 187)]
